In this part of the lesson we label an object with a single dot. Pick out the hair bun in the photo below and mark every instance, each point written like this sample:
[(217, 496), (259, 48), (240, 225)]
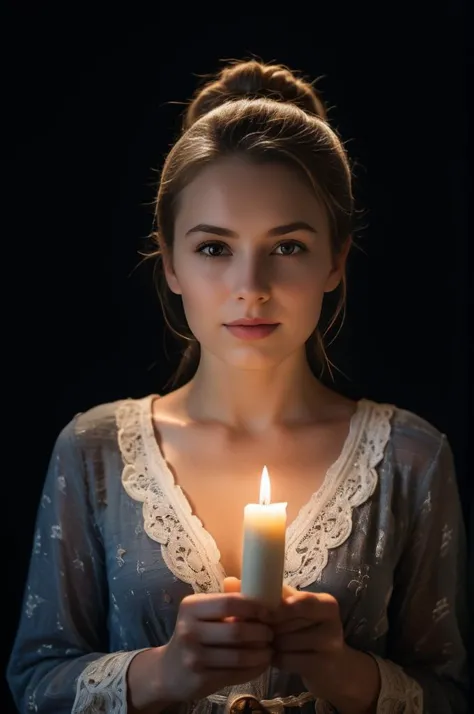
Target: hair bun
[(251, 80)]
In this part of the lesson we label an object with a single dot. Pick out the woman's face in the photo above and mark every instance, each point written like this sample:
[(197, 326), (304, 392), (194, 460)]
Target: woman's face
[(251, 242)]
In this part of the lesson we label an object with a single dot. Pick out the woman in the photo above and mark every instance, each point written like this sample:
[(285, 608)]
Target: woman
[(130, 604)]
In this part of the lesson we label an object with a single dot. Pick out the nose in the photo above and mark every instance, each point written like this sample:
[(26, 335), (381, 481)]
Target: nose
[(251, 280)]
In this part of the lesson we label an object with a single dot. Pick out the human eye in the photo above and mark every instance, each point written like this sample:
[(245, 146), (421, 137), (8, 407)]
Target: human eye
[(212, 249), (290, 248)]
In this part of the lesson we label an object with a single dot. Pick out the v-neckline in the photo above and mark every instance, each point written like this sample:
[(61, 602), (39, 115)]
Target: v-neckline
[(158, 466)]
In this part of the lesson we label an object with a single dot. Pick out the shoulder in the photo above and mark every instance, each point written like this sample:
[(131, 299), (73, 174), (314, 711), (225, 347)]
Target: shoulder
[(407, 433), (413, 435), (417, 454), (88, 455), (98, 427)]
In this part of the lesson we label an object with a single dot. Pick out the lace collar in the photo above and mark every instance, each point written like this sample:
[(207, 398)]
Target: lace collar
[(324, 522)]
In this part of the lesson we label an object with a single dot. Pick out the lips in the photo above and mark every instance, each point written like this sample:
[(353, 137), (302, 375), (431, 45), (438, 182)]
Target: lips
[(254, 329), (251, 322)]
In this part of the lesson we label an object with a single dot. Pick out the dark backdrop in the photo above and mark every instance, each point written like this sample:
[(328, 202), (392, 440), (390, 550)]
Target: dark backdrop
[(91, 108)]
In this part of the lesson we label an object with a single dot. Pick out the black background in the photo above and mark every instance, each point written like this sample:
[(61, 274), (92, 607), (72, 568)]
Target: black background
[(90, 108)]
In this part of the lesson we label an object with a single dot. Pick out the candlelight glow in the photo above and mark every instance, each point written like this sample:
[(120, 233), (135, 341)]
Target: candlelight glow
[(265, 493)]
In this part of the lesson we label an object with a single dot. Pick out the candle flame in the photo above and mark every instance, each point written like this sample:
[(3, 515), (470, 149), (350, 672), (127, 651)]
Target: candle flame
[(265, 492)]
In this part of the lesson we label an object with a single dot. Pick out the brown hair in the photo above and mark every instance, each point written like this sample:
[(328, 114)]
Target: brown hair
[(268, 114)]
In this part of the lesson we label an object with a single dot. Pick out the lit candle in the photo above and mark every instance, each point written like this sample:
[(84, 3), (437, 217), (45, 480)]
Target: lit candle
[(264, 547)]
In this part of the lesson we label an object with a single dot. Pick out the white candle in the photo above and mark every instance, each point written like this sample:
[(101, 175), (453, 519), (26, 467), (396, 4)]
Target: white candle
[(263, 558)]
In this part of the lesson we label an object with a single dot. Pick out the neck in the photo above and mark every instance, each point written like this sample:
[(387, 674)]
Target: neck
[(254, 400)]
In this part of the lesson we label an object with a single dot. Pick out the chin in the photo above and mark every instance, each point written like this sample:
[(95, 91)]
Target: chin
[(261, 355), (251, 358)]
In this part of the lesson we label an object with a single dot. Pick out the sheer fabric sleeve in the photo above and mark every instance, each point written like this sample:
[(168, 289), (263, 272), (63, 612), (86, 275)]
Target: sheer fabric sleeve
[(59, 662), (426, 668)]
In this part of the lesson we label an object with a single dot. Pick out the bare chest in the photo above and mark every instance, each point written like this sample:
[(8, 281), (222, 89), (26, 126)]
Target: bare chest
[(218, 476)]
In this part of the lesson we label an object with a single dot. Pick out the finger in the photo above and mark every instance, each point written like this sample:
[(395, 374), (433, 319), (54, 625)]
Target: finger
[(301, 664), (307, 640), (292, 625), (233, 633), (198, 658), (218, 606), (288, 591), (317, 639), (312, 606), (235, 657), (286, 608), (192, 657), (231, 585), (284, 613), (222, 678)]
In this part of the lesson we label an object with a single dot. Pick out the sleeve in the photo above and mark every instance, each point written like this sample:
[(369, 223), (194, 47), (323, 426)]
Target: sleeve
[(426, 666), (59, 662)]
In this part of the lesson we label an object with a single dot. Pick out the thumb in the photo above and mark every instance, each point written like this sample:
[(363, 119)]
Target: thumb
[(288, 591), (231, 585)]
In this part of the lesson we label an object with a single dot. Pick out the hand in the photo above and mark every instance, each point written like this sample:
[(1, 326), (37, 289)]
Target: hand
[(219, 640), (309, 640)]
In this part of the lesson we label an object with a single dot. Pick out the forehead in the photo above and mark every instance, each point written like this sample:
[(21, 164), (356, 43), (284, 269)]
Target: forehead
[(237, 191)]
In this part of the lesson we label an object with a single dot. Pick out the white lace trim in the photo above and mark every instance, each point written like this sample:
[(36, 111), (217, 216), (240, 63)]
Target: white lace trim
[(325, 522), (167, 514), (102, 686), (191, 553), (399, 693)]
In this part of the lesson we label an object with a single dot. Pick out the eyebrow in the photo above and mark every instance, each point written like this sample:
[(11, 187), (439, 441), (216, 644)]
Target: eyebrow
[(277, 231)]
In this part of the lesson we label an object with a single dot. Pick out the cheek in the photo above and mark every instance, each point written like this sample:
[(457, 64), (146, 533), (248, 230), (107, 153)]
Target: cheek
[(201, 297), (301, 300), (303, 287), (198, 286)]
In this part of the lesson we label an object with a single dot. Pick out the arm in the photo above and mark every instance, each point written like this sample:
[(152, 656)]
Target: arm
[(62, 641), (426, 669)]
